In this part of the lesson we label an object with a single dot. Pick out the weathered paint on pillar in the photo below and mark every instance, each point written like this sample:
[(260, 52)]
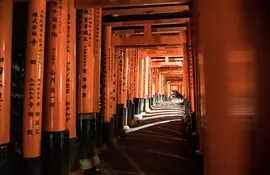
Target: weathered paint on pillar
[(98, 27), (33, 86), (86, 62), (6, 9), (71, 70), (106, 73), (55, 71)]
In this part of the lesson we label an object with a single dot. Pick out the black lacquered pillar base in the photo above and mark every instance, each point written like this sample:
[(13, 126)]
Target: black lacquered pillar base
[(4, 159), (32, 166), (129, 107), (112, 126), (147, 107), (99, 127), (136, 106), (55, 153), (74, 157), (120, 116), (107, 135), (86, 131), (141, 105)]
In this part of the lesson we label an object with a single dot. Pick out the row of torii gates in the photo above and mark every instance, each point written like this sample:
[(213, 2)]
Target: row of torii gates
[(225, 77), (83, 81)]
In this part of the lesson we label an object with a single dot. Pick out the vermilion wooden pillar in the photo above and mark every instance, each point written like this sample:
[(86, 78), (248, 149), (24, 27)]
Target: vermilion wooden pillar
[(97, 94), (121, 109), (190, 67), (231, 82), (33, 98), (71, 85), (6, 9), (55, 136), (141, 84), (185, 74), (106, 81), (114, 68), (86, 107), (136, 83)]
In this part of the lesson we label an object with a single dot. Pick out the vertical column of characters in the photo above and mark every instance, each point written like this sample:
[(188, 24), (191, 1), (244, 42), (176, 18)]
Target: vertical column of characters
[(33, 88), (114, 81), (55, 72), (128, 57), (106, 73), (71, 85), (137, 74), (119, 56), (71, 70), (98, 26), (132, 72), (125, 77), (190, 67), (55, 136), (85, 47)]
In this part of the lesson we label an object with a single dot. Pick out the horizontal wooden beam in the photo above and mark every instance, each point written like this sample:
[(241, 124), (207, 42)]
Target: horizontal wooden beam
[(176, 84), (116, 3), (149, 40), (154, 30), (145, 10), (166, 64), (164, 52), (142, 22)]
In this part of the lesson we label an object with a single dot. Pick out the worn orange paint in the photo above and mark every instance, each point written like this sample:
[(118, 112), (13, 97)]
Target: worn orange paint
[(106, 78), (71, 70), (6, 7), (98, 28), (55, 68), (86, 62)]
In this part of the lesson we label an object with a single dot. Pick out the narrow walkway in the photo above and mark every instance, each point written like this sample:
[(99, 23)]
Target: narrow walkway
[(158, 149)]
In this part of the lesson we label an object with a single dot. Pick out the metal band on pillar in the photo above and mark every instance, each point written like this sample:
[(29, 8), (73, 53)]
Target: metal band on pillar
[(55, 136)]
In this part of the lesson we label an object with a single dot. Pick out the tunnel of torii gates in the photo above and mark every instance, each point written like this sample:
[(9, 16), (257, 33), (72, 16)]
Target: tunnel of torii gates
[(86, 82)]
